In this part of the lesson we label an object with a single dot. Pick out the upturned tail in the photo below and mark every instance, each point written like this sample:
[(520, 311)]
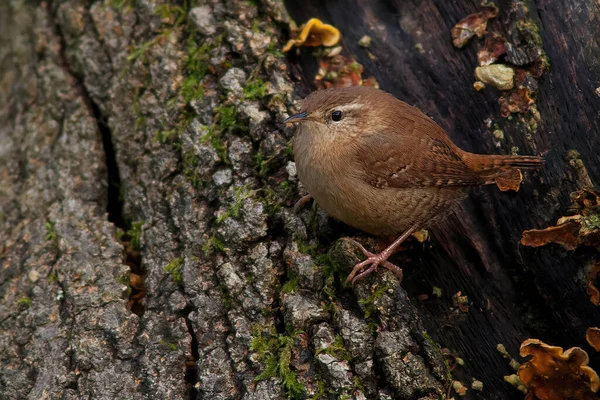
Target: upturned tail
[(490, 167)]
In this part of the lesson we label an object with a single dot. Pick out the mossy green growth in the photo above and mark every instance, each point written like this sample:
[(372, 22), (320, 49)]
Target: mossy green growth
[(263, 163), (227, 118), (51, 235), (275, 351), (131, 235), (337, 350), (173, 268), (122, 4), (196, 68), (331, 269), (292, 283), (183, 120), (24, 301), (369, 307), (254, 90), (241, 193), (212, 244)]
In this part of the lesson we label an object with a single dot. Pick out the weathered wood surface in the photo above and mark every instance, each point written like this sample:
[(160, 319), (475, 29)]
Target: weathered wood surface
[(102, 124), (515, 292)]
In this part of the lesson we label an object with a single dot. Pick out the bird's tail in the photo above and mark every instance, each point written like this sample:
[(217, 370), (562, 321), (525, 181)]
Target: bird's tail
[(493, 167)]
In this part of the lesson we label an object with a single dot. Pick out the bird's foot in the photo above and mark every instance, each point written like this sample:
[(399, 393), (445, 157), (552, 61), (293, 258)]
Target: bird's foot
[(366, 267), (302, 202)]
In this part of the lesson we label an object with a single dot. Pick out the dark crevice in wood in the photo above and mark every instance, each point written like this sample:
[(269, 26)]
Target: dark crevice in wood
[(114, 205), (191, 366)]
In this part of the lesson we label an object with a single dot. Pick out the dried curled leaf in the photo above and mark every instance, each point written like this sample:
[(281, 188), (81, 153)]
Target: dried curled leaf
[(554, 375), (474, 24), (592, 335), (314, 33)]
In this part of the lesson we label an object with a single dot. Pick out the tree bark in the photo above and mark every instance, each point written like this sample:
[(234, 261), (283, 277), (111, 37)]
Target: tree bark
[(149, 248)]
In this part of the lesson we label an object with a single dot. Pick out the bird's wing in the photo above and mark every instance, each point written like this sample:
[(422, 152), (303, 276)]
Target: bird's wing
[(405, 159)]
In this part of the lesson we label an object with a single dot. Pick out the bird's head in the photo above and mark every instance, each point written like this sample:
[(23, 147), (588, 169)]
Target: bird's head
[(339, 111)]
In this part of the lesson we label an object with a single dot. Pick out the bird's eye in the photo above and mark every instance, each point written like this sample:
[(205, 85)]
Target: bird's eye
[(336, 115)]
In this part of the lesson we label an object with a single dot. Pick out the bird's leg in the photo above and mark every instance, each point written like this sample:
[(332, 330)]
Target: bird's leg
[(364, 268), (302, 202)]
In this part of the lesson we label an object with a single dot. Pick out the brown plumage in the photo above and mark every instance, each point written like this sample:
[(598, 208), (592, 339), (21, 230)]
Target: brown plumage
[(382, 166)]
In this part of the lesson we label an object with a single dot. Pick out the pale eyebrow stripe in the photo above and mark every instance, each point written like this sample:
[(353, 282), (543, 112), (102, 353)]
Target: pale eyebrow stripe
[(352, 106)]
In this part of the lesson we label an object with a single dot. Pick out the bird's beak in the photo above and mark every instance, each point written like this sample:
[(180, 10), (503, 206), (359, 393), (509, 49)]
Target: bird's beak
[(296, 118)]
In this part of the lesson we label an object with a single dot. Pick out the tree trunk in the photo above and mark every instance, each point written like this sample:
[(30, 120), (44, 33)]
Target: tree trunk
[(149, 247)]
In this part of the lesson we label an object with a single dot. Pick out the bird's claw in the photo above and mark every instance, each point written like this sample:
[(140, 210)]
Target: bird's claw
[(301, 203), (366, 267)]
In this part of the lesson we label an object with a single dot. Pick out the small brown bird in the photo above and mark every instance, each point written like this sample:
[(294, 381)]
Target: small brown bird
[(382, 166)]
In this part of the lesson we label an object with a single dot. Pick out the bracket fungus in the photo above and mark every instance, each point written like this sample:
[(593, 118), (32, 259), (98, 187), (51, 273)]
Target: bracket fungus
[(552, 374), (574, 230), (592, 335), (474, 24), (312, 34)]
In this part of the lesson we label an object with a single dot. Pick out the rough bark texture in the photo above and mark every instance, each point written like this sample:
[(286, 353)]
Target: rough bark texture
[(144, 138)]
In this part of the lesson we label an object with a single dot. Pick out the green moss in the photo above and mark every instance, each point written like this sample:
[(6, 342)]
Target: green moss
[(322, 390), (122, 4), (275, 352), (172, 15), (173, 268), (24, 301), (140, 52), (53, 277), (173, 346), (337, 350), (591, 221), (183, 120), (369, 306), (332, 270), (241, 193), (227, 116), (255, 89), (131, 235), (212, 244), (51, 235), (263, 163), (196, 68), (292, 284)]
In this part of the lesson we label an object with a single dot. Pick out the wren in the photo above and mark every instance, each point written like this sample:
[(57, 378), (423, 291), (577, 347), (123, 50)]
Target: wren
[(384, 167)]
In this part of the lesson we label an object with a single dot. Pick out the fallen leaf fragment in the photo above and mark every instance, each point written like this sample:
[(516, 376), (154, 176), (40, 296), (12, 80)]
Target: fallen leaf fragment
[(552, 374), (474, 24), (314, 33), (592, 335)]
